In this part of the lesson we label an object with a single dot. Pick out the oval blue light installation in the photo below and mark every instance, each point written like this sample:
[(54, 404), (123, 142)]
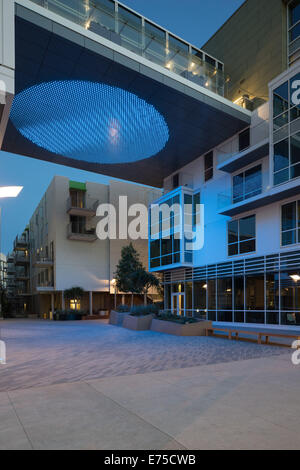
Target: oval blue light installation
[(89, 121)]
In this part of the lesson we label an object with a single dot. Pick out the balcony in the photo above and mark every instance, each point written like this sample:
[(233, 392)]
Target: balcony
[(46, 286), (88, 208), (234, 162), (21, 276), (127, 29), (10, 259), (22, 259), (269, 195), (78, 233), (11, 269), (21, 243), (231, 161), (42, 262)]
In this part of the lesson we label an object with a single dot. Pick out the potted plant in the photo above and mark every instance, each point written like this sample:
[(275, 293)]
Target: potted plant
[(117, 316), (140, 317), (166, 322)]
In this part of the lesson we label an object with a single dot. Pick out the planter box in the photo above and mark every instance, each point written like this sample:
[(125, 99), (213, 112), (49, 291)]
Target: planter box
[(172, 328), (117, 318), (138, 323)]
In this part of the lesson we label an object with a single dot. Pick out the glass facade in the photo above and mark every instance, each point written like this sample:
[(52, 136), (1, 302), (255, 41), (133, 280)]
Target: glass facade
[(112, 21), (172, 230), (247, 184), (266, 298), (242, 236), (294, 31), (286, 131)]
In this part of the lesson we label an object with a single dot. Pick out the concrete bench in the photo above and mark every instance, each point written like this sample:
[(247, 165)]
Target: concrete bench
[(234, 333)]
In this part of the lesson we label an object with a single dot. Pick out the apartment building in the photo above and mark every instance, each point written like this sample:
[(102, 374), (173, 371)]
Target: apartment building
[(60, 248), (249, 268), (225, 130), (18, 275)]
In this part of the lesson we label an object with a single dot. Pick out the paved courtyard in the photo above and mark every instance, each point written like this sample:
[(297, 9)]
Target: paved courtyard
[(43, 353), (88, 385)]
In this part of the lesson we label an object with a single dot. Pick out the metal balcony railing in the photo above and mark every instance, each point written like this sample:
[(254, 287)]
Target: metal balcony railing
[(136, 34), (87, 205)]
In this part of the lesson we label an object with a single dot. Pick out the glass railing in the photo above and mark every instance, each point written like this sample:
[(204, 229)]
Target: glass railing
[(258, 135), (111, 20), (244, 190)]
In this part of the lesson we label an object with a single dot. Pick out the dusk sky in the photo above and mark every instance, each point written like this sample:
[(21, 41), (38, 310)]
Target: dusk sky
[(194, 20)]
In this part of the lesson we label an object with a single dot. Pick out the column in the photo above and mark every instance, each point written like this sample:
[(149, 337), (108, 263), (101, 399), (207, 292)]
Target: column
[(91, 303), (52, 307), (63, 306)]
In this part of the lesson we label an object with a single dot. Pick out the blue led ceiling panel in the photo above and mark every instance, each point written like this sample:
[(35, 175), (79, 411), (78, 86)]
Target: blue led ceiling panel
[(89, 121)]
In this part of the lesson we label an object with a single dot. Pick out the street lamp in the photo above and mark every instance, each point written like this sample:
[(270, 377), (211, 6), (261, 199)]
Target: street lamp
[(114, 283), (6, 192)]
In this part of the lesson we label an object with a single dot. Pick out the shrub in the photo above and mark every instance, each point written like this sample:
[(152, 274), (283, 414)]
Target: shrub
[(68, 315), (167, 316), (123, 309), (142, 310)]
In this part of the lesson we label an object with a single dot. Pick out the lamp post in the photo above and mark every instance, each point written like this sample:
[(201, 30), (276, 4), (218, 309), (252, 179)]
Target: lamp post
[(114, 283), (6, 192)]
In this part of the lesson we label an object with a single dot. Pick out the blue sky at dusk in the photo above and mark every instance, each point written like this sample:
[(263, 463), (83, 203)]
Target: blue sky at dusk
[(194, 20)]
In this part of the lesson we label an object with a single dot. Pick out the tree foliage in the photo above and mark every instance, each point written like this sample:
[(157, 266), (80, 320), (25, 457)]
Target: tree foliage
[(75, 293), (127, 266), (131, 276)]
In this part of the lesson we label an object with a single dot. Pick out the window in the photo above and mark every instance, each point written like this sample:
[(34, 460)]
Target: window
[(244, 139), (78, 224), (75, 304), (208, 166), (176, 181), (255, 292), (286, 147), (247, 184), (290, 224), (280, 99), (294, 29), (294, 13), (168, 220), (225, 294), (242, 236), (77, 198)]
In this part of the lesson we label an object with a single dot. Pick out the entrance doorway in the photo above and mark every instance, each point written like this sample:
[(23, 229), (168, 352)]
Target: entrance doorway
[(178, 304)]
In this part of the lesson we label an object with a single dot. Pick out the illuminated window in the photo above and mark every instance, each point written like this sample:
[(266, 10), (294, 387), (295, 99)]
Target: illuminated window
[(75, 304)]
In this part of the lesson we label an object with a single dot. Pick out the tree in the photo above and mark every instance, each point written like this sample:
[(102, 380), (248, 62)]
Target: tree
[(127, 266), (75, 293), (143, 280)]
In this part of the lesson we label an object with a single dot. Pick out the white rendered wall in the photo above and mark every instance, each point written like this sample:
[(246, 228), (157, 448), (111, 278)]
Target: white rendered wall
[(268, 218), (77, 263)]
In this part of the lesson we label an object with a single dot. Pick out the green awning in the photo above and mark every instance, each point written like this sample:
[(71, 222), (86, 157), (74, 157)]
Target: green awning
[(78, 186)]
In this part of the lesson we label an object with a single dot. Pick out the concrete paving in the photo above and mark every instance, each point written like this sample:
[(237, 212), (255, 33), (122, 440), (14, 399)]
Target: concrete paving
[(242, 404), (43, 353)]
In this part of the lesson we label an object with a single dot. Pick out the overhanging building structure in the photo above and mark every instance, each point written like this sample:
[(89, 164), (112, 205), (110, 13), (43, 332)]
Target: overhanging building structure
[(99, 87)]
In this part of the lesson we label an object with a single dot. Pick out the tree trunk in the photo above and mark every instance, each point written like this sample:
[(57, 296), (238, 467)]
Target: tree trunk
[(132, 299), (145, 299)]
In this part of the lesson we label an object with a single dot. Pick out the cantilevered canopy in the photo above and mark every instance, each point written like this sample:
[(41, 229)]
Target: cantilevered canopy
[(182, 120)]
